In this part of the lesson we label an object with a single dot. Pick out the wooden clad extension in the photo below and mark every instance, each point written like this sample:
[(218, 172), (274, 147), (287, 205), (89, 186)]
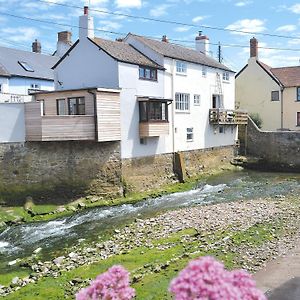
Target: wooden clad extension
[(102, 126), (108, 116), (148, 129)]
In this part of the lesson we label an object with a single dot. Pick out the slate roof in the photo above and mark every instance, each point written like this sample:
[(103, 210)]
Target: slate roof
[(40, 63), (288, 76), (3, 72), (124, 52), (180, 52)]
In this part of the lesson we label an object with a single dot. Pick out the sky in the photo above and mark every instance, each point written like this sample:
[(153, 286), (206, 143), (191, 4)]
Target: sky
[(264, 19)]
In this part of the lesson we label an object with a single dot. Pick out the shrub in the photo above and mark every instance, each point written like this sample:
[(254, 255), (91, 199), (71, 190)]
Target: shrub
[(256, 118)]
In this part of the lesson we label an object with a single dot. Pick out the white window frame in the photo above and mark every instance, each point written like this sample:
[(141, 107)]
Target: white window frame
[(182, 102), (204, 71), (190, 134), (225, 76), (181, 67), (197, 99)]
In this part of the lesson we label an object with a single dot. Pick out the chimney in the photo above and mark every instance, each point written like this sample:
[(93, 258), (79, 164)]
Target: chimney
[(202, 43), (253, 47), (165, 39), (64, 42), (36, 47), (86, 25)]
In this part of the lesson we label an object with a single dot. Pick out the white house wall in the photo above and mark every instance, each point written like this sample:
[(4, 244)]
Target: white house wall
[(21, 85), (12, 123), (205, 135), (86, 66), (4, 85), (132, 87)]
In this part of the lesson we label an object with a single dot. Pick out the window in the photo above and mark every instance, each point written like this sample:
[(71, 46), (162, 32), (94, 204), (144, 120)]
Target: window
[(221, 129), (25, 66), (0, 88), (181, 67), (197, 99), (189, 134), (35, 86), (76, 106), (298, 93), (275, 96), (143, 141), (298, 118), (61, 107), (182, 101), (153, 111), (204, 71), (226, 76), (42, 106), (147, 73)]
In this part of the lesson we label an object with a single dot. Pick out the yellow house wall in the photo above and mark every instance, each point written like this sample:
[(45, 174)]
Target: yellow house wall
[(291, 107), (253, 93)]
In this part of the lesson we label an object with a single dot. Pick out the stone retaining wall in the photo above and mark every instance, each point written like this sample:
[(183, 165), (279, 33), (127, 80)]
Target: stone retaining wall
[(276, 150), (58, 171)]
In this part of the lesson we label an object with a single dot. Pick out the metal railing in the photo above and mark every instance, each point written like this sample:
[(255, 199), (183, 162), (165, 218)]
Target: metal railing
[(221, 116), (14, 98)]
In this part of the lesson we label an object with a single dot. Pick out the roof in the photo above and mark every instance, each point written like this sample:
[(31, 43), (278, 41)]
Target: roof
[(288, 76), (11, 59), (179, 52), (124, 52), (3, 72)]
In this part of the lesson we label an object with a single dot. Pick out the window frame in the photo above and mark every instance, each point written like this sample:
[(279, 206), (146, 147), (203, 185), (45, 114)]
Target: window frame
[(146, 111), (76, 106), (275, 98), (204, 71), (190, 134), (298, 119), (298, 93), (197, 102), (225, 76), (143, 76), (57, 107), (181, 67), (182, 102), (25, 65)]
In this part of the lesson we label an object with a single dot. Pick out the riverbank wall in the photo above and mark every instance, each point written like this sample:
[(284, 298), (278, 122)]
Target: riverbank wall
[(270, 150), (57, 172)]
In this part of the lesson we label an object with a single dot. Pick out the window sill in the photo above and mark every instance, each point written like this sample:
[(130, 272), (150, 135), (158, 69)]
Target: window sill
[(181, 74), (182, 112), (189, 141), (226, 81), (146, 79), (275, 100)]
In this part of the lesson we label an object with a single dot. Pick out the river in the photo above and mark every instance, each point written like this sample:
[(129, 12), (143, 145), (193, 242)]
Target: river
[(54, 237)]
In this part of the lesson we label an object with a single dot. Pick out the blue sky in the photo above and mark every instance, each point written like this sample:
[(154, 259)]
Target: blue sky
[(267, 17)]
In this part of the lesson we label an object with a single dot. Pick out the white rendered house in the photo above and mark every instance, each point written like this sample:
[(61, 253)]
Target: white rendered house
[(167, 91)]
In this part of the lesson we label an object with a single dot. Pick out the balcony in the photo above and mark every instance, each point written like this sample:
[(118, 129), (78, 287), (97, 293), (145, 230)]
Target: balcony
[(14, 98), (220, 116)]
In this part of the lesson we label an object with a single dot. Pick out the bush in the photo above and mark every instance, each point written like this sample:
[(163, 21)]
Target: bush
[(256, 118)]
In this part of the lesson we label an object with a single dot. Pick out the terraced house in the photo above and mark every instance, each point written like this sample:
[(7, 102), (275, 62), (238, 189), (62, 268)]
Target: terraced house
[(172, 98), (273, 93)]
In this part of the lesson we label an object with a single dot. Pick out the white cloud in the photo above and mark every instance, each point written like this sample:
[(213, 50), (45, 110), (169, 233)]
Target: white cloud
[(182, 28), (287, 28), (295, 8), (199, 19), (247, 25), (109, 25), (20, 34), (243, 3), (129, 3), (159, 10)]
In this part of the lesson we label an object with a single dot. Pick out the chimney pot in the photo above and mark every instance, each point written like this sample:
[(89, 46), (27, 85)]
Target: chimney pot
[(36, 46), (165, 39), (253, 47), (85, 10)]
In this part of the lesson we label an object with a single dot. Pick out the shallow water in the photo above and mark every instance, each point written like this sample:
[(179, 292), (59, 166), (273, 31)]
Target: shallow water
[(54, 236)]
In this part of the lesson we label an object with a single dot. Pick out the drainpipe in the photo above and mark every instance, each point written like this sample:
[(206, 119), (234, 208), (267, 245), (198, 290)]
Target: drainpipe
[(281, 96), (173, 108), (95, 113)]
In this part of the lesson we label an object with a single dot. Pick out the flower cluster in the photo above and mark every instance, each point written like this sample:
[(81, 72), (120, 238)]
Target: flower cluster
[(111, 285), (206, 279)]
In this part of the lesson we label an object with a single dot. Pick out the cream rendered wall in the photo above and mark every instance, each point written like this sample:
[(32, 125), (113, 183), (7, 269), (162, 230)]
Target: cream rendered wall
[(291, 107), (253, 92)]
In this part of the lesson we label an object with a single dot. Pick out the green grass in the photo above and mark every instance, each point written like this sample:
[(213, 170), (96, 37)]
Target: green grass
[(142, 262)]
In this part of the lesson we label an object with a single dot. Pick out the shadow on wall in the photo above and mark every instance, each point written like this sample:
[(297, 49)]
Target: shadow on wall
[(57, 172)]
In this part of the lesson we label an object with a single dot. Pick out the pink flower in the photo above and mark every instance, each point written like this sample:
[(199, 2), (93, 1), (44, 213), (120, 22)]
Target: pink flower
[(111, 285), (206, 279)]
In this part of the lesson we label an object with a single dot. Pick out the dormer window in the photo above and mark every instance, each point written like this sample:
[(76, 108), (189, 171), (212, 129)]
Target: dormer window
[(147, 73), (181, 67), (25, 66)]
